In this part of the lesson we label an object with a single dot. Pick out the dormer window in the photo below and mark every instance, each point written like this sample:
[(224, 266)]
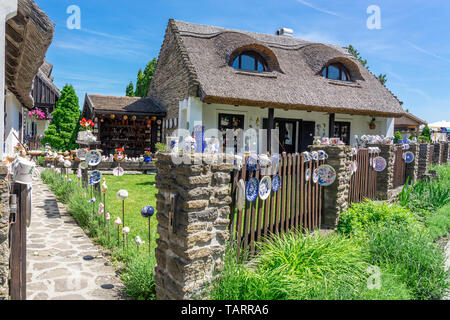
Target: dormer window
[(336, 71), (249, 61)]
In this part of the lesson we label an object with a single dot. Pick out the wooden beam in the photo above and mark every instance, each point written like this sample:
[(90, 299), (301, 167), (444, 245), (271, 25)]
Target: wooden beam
[(331, 125)]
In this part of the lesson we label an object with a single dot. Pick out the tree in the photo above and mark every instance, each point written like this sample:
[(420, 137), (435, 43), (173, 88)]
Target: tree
[(139, 84), (130, 90), (381, 77), (397, 137), (143, 80), (425, 136), (62, 133)]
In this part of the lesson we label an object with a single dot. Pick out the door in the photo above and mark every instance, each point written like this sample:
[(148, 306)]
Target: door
[(287, 134), (307, 129)]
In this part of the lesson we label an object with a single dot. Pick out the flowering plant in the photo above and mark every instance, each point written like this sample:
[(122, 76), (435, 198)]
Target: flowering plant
[(86, 124), (147, 153), (120, 150), (37, 114)]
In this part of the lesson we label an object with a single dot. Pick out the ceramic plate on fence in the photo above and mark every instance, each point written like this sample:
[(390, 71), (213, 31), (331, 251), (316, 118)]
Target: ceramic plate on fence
[(93, 158), (83, 165), (379, 164), (275, 159), (327, 175), (265, 187), (408, 157), (81, 154), (276, 183), (240, 195), (118, 171), (252, 162), (252, 189), (307, 174), (316, 175), (96, 176)]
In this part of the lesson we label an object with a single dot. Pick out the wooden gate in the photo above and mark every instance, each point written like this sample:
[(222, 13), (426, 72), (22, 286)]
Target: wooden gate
[(296, 205), (399, 168), (363, 184), (18, 241)]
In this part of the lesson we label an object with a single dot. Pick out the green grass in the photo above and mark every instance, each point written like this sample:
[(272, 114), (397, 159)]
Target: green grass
[(138, 263)]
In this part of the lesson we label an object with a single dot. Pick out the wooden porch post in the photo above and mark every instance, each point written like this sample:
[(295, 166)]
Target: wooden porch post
[(331, 125), (271, 126)]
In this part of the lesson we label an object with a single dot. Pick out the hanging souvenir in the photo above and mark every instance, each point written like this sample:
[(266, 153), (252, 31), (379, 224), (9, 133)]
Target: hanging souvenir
[(252, 189), (276, 183), (326, 175), (408, 157), (379, 164), (265, 187)]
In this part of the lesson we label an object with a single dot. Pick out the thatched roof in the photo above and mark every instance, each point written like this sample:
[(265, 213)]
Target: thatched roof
[(28, 36), (133, 105), (408, 119), (44, 73), (293, 80)]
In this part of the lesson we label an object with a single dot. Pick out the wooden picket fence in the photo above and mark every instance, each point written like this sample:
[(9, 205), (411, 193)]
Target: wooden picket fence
[(296, 205), (363, 184), (399, 168)]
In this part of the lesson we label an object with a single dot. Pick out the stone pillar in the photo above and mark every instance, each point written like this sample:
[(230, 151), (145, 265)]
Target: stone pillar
[(4, 230), (446, 151), (412, 169), (385, 179), (424, 159), (193, 207), (8, 9), (336, 195), (437, 153)]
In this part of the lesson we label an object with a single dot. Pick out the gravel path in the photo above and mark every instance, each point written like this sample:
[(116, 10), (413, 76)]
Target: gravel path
[(62, 262)]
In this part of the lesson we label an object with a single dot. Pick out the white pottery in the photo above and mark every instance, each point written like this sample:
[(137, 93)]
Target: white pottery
[(122, 194)]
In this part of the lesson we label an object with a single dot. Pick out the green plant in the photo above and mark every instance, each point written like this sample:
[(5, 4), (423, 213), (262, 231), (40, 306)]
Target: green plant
[(425, 135), (438, 224), (161, 147), (139, 278), (361, 217), (397, 137)]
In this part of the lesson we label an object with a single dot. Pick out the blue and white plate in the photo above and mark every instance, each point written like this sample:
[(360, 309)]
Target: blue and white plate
[(252, 162), (265, 187), (93, 158), (307, 174), (252, 189), (276, 183), (408, 157), (95, 176)]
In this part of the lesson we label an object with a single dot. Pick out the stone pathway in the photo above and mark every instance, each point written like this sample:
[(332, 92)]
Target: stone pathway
[(62, 262)]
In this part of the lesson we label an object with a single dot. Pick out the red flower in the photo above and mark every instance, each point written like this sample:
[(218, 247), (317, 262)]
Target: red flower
[(90, 123), (83, 122), (120, 150)]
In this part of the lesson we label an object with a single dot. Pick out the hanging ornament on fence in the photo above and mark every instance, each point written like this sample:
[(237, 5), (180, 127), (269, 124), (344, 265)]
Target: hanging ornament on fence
[(265, 187), (276, 183), (252, 189), (326, 175), (408, 157), (379, 164)]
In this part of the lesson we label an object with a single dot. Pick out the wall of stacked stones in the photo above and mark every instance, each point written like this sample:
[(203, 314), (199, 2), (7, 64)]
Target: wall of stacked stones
[(4, 229)]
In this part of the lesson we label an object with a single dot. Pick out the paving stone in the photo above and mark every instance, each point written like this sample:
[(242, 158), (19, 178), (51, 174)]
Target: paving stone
[(44, 265)]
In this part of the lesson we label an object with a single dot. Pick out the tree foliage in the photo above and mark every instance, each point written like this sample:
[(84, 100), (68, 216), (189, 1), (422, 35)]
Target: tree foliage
[(425, 136), (143, 81), (130, 90), (62, 133), (381, 77)]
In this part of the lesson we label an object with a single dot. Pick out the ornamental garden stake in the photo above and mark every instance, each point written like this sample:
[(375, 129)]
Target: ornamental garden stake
[(107, 218), (138, 242), (125, 231), (148, 212), (117, 223), (104, 190), (122, 195)]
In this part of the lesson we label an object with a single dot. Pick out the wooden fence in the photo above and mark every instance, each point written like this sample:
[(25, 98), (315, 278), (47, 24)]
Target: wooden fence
[(363, 184), (296, 205), (399, 168)]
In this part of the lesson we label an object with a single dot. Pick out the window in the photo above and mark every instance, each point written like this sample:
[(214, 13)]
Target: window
[(249, 61), (336, 71), (342, 131)]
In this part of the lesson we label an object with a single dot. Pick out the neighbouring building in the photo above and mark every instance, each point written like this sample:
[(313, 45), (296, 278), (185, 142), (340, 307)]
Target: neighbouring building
[(132, 123), (231, 79), (45, 95), (408, 125)]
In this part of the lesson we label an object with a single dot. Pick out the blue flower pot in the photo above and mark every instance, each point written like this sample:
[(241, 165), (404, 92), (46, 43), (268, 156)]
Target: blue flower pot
[(147, 159)]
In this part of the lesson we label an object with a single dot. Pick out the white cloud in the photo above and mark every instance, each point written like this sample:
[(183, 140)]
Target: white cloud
[(305, 3)]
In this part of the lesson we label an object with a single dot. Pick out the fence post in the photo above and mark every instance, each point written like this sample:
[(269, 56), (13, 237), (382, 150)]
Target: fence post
[(385, 179), (336, 196), (437, 153), (446, 152), (424, 159), (412, 169), (193, 207), (4, 226)]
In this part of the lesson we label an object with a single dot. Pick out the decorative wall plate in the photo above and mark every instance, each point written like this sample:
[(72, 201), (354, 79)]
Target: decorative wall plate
[(252, 162), (307, 156), (315, 155), (326, 175), (252, 189), (81, 154), (307, 174), (408, 157), (240, 195), (275, 159), (265, 187), (118, 171), (316, 175), (96, 176), (379, 164), (276, 183), (83, 165), (93, 158)]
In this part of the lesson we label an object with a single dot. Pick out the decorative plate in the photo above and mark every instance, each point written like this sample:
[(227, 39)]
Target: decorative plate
[(316, 175), (265, 187), (379, 164), (276, 183), (307, 174), (147, 211), (93, 158), (96, 176), (252, 189), (252, 162), (83, 165), (326, 175), (81, 154), (118, 171), (275, 159), (307, 156), (240, 194), (408, 157), (315, 155)]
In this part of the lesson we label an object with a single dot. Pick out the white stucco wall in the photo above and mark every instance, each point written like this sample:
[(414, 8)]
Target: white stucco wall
[(13, 109)]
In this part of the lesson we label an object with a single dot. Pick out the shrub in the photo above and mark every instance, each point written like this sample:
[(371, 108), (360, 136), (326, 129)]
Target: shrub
[(413, 256), (364, 216), (139, 278)]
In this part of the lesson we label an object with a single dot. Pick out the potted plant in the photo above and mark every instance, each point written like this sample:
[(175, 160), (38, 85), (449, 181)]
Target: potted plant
[(147, 156), (118, 156), (36, 114), (372, 125)]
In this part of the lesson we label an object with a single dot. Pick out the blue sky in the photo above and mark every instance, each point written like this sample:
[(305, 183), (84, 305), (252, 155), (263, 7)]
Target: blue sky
[(119, 37)]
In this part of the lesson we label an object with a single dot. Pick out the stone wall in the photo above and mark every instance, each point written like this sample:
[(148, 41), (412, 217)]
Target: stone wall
[(193, 207), (385, 179), (412, 169), (424, 159), (438, 149), (446, 151), (4, 229), (336, 196)]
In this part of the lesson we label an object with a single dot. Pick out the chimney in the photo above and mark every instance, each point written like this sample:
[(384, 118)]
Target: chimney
[(285, 32)]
